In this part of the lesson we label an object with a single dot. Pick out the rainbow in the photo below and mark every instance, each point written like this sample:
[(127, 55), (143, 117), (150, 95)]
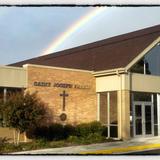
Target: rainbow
[(69, 31)]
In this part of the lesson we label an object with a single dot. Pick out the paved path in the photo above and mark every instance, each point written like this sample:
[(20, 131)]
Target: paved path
[(103, 148)]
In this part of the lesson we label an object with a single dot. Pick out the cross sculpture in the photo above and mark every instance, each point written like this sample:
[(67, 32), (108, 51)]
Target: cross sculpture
[(64, 95)]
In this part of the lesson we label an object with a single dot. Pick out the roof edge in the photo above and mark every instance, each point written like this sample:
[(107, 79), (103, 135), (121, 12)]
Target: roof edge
[(11, 67), (109, 72), (58, 68), (144, 52), (96, 44)]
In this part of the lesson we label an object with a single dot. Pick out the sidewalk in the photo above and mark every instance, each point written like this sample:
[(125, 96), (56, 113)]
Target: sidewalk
[(120, 147)]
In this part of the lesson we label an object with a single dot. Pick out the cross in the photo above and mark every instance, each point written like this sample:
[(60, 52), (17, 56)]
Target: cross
[(64, 95)]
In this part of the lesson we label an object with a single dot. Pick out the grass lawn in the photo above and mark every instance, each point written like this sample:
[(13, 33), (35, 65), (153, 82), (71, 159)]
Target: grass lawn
[(6, 147)]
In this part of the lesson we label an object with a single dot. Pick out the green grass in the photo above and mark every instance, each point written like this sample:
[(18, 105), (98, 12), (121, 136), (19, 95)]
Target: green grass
[(6, 147)]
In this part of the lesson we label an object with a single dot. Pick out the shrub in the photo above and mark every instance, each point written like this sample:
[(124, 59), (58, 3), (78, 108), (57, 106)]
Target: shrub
[(5, 145), (84, 129), (93, 138), (96, 127), (56, 132), (59, 132), (69, 130), (3, 141), (105, 131), (37, 132), (73, 139)]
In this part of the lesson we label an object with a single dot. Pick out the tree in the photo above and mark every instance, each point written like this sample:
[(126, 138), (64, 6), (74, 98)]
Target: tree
[(23, 111)]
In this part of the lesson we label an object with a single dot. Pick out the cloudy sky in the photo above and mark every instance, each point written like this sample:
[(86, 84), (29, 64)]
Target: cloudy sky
[(33, 31)]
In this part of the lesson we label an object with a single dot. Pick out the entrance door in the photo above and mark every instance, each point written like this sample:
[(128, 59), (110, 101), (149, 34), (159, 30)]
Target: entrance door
[(143, 119)]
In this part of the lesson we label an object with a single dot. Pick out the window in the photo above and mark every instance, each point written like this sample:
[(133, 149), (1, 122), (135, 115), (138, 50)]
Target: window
[(103, 108), (141, 96), (113, 115), (108, 112), (150, 63), (1, 93)]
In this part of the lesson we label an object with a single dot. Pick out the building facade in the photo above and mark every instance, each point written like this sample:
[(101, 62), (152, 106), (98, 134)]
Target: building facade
[(115, 81)]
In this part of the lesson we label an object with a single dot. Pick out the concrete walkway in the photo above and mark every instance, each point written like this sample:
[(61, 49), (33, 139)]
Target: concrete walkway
[(119, 147)]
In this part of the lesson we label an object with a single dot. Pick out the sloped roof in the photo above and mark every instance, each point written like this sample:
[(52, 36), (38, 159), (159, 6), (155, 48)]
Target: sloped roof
[(115, 52)]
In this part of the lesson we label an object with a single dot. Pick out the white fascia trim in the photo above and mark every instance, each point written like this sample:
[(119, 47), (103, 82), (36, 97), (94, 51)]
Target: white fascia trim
[(109, 72), (11, 67), (58, 68), (145, 51)]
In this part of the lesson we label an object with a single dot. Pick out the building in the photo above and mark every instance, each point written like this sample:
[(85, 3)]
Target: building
[(115, 81)]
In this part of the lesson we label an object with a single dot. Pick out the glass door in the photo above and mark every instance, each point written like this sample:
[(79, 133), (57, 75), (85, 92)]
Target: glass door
[(143, 119), (148, 119), (137, 110)]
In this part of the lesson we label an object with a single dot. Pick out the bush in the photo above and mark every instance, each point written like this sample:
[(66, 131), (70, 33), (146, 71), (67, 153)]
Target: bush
[(53, 132), (73, 139), (37, 132), (85, 129), (69, 130), (3, 141), (94, 138), (91, 138), (56, 132), (59, 132), (105, 131), (96, 127), (5, 145)]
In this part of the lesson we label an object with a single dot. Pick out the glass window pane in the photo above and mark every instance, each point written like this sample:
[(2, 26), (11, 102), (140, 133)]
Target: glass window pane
[(105, 131), (113, 131), (138, 111), (138, 119), (138, 126), (112, 127), (113, 108), (103, 108), (138, 67), (151, 63), (140, 96), (156, 130), (131, 114), (1, 93), (148, 120), (152, 59), (155, 108)]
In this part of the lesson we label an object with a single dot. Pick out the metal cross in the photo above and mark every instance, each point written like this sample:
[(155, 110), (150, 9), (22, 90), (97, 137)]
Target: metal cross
[(64, 95)]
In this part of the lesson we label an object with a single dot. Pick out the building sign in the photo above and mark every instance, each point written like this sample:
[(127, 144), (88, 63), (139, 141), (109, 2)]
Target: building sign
[(42, 84), (61, 85)]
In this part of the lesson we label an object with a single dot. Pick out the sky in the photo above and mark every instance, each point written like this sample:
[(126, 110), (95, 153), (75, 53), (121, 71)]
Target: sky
[(27, 32)]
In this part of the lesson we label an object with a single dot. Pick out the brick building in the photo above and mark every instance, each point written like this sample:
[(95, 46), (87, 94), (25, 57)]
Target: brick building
[(115, 81)]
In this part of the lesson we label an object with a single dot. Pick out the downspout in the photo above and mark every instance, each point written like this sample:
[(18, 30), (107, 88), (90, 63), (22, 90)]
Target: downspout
[(129, 87), (120, 109)]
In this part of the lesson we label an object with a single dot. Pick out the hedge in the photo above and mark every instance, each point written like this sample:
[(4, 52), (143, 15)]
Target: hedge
[(59, 132)]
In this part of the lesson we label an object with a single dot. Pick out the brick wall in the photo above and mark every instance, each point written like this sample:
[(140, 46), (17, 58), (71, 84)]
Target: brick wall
[(80, 104)]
